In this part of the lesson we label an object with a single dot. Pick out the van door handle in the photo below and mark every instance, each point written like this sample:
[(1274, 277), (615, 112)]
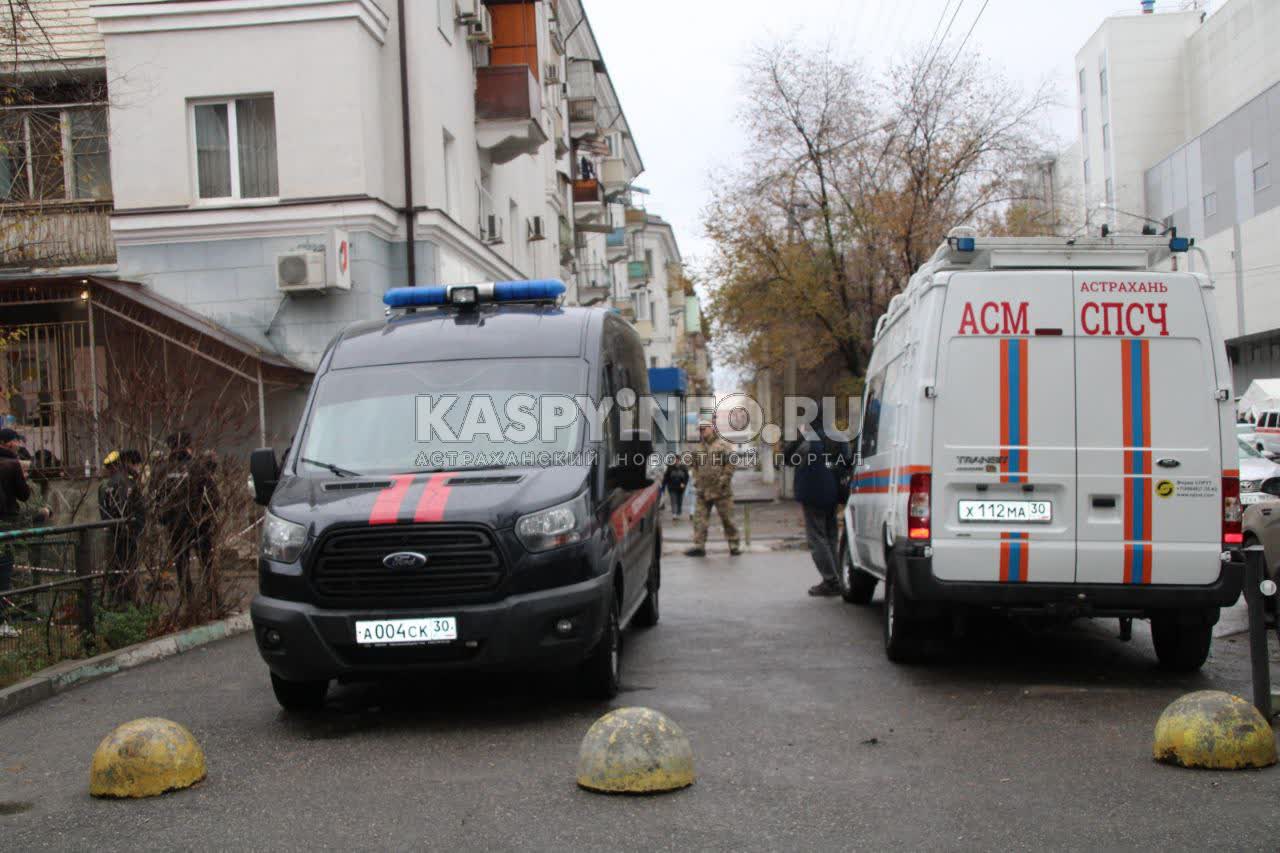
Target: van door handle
[(1104, 503), (1265, 512)]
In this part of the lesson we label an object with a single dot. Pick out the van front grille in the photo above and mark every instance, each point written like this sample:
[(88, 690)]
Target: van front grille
[(462, 560)]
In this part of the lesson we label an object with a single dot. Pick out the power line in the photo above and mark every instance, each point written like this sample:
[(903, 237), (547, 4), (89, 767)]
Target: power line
[(960, 50)]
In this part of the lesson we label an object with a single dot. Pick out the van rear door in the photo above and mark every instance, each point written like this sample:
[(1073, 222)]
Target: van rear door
[(1004, 461), (1150, 449)]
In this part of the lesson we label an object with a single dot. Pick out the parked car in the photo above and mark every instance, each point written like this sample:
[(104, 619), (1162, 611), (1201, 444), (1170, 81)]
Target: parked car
[(1266, 431), (1046, 429), (378, 561), (1247, 432), (1255, 472)]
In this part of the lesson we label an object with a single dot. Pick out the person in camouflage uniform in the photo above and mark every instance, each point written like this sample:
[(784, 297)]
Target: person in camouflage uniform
[(712, 472)]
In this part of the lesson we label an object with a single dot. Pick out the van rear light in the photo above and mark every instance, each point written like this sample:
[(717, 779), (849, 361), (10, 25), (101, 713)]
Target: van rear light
[(919, 515), (1232, 512)]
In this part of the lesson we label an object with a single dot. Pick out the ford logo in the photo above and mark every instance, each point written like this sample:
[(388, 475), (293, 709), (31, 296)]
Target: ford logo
[(405, 560)]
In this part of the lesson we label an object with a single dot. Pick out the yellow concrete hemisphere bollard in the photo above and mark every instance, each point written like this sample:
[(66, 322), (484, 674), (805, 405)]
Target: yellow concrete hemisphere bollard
[(144, 758), (635, 751), (1214, 730)]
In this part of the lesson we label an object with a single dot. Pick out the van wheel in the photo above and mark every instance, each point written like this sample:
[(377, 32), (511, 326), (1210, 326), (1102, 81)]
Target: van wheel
[(600, 675), (856, 586), (649, 613), (903, 632), (1180, 647), (299, 696)]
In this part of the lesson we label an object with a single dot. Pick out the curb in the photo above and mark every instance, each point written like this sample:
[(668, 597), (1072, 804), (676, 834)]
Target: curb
[(63, 676)]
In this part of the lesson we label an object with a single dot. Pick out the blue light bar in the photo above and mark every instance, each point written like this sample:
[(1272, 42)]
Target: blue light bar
[(413, 297), (1180, 244), (547, 290), (526, 291), (966, 244)]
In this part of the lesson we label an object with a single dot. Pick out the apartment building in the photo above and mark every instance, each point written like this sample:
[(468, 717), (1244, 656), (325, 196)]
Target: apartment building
[(1185, 134), (262, 172)]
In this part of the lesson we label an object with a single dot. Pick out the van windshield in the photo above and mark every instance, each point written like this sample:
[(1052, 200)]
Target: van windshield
[(443, 415)]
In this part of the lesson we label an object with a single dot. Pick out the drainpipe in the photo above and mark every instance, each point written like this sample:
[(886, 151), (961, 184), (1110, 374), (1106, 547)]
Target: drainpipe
[(408, 146)]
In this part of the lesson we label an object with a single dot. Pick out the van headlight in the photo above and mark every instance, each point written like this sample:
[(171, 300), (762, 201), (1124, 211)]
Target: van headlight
[(556, 526), (282, 540)]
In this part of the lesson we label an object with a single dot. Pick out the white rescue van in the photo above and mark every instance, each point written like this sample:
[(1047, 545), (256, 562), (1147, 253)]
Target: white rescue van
[(1048, 428)]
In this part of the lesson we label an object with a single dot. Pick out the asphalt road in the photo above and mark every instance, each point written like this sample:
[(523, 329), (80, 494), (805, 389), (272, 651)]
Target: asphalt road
[(806, 738)]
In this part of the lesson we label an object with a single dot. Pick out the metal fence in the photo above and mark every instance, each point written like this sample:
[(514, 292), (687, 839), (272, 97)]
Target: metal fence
[(51, 612)]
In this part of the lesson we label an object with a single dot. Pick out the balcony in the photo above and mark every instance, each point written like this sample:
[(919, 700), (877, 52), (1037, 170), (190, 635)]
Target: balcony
[(595, 282), (508, 112), (614, 175), (584, 99), (616, 246), (590, 213), (57, 233), (637, 273), (637, 216)]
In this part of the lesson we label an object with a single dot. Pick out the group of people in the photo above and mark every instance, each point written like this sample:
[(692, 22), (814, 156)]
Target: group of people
[(178, 490), (822, 464)]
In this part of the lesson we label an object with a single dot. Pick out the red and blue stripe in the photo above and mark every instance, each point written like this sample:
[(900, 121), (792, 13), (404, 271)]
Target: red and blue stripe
[(1135, 380), (1013, 409), (1015, 552)]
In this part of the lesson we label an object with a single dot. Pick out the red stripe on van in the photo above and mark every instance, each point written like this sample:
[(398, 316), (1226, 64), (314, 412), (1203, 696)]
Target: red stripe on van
[(1015, 553), (434, 498), (386, 509), (1013, 409)]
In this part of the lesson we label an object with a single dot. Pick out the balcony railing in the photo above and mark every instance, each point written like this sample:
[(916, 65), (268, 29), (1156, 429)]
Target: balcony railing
[(637, 272), (587, 191), (56, 233), (508, 111)]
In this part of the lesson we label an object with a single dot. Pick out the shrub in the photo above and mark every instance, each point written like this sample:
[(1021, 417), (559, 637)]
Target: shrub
[(119, 628)]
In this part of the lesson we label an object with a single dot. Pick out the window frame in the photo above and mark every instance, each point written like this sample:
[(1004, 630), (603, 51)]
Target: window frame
[(1103, 83), (446, 30), (1106, 136), (1265, 168), (1084, 121), (1087, 171), (1205, 204), (233, 150), (66, 151)]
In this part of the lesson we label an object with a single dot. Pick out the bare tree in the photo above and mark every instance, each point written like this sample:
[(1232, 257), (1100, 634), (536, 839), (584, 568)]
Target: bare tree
[(850, 182)]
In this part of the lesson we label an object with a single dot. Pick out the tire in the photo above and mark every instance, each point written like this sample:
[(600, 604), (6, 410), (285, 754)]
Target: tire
[(650, 611), (856, 586), (1180, 647), (904, 640), (299, 696), (600, 675)]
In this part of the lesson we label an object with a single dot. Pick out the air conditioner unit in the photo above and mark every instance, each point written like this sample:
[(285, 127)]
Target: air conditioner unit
[(552, 75), (468, 10), (536, 229), (480, 28), (300, 271), (491, 232)]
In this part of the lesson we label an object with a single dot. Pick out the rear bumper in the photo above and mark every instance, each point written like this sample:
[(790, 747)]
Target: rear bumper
[(919, 582), (515, 633)]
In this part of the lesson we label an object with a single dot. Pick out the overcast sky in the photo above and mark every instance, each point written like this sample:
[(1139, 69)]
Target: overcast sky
[(677, 67)]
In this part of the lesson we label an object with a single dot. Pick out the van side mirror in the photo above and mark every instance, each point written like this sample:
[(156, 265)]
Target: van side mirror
[(631, 469), (264, 468)]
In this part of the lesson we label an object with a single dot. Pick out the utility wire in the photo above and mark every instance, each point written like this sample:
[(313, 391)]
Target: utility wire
[(966, 39)]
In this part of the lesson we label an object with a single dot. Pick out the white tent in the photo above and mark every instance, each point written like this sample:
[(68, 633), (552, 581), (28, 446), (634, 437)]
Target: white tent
[(1262, 395)]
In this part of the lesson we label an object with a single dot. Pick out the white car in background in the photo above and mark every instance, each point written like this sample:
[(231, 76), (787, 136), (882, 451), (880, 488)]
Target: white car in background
[(1255, 471)]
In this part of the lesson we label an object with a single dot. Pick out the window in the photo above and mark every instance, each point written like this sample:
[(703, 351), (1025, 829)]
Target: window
[(245, 168), (641, 304), (1102, 82), (1081, 75), (1210, 205), (869, 439), (1084, 121), (54, 154), (1262, 177), (444, 19), (1086, 170), (653, 361), (1106, 137), (1109, 192)]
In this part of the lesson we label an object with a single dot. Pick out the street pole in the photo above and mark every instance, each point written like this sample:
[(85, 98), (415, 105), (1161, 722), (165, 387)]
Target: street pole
[(789, 394), (764, 389), (1259, 656)]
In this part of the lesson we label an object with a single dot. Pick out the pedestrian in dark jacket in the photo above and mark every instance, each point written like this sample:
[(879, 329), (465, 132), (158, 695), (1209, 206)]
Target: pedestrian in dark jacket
[(187, 502), (120, 497), (675, 481), (14, 492), (822, 466)]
